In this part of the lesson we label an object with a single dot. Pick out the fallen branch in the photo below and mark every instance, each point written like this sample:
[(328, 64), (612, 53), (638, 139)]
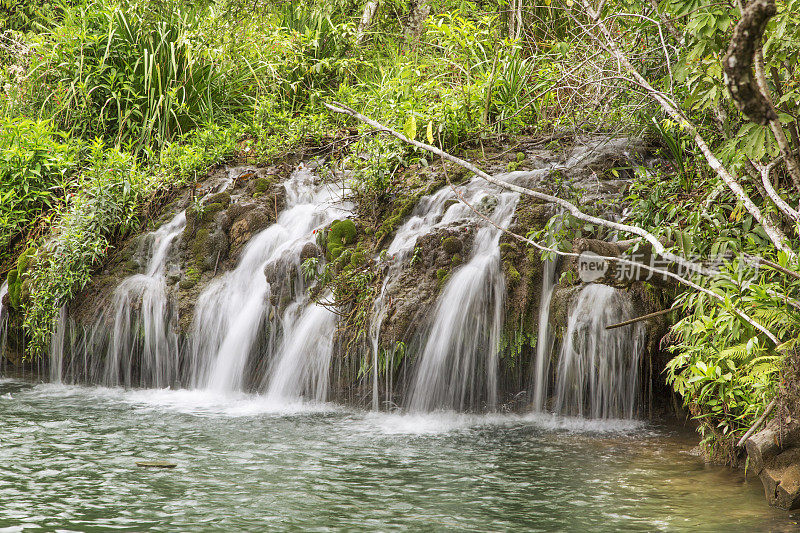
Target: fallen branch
[(569, 206), (577, 213), (758, 422), (643, 317)]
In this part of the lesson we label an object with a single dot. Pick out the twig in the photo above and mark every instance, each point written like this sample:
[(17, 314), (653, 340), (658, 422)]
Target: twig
[(643, 317), (758, 422), (577, 213)]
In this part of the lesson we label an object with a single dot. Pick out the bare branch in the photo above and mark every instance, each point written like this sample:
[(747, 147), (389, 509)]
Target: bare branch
[(569, 206), (774, 233), (657, 246)]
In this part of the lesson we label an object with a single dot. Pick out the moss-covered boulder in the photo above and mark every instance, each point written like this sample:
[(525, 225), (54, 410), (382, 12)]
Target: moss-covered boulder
[(341, 234), (452, 245), (18, 289)]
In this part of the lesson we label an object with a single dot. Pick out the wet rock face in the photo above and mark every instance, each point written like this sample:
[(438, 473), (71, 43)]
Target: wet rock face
[(774, 453), (247, 220), (413, 294)]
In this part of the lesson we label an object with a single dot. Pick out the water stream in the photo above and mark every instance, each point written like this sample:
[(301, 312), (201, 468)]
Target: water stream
[(68, 463), (235, 307), (598, 369)]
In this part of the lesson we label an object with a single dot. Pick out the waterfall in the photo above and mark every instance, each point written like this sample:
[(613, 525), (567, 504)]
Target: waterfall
[(234, 308), (544, 337), (3, 321), (439, 210), (426, 215), (598, 369), (142, 320), (140, 348), (457, 368), (57, 347), (302, 364)]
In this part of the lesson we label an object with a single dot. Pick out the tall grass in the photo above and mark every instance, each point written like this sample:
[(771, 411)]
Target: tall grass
[(134, 79)]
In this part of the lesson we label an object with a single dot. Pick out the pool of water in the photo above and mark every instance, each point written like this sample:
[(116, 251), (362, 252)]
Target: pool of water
[(68, 461)]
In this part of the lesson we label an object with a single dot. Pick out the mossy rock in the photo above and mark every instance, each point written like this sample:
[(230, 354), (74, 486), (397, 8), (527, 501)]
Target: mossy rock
[(25, 290), (357, 259), (341, 234), (210, 210), (456, 260), (442, 275), (508, 248), (513, 274), (14, 286), (261, 185), (452, 245), (223, 198)]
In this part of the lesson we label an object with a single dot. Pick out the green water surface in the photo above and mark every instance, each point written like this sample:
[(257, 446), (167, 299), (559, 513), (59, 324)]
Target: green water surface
[(68, 462)]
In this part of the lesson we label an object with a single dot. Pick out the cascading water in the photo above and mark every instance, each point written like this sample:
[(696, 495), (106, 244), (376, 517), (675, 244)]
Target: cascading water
[(432, 212), (3, 319), (140, 348), (457, 368), (140, 305), (544, 340), (304, 357), (598, 369), (429, 212), (232, 311)]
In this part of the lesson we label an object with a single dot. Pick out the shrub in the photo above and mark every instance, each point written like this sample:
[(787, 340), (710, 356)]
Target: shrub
[(36, 168)]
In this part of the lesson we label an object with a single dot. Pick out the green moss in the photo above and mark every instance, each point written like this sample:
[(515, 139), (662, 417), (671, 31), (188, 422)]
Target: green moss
[(508, 248), (400, 212), (210, 210), (24, 260), (441, 276), (25, 290), (223, 198), (14, 286), (513, 274), (199, 247), (357, 259), (452, 245), (456, 260), (520, 157), (341, 234), (261, 185), (191, 278)]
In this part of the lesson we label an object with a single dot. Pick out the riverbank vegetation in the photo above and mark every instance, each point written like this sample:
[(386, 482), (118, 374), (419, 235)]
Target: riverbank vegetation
[(107, 106)]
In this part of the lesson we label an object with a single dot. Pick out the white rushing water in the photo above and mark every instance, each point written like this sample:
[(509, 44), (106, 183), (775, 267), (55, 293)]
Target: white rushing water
[(140, 305), (3, 319), (545, 341), (140, 347), (598, 369), (234, 309), (457, 368)]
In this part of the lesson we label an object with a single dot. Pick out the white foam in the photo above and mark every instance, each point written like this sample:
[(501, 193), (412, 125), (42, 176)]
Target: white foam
[(187, 401), (450, 421)]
